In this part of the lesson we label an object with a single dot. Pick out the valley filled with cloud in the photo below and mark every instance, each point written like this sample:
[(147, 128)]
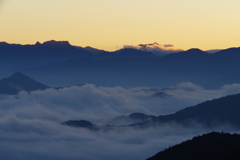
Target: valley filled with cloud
[(30, 124)]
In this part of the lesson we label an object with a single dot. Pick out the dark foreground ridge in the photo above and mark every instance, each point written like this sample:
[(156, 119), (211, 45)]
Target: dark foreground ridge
[(211, 146), (19, 82)]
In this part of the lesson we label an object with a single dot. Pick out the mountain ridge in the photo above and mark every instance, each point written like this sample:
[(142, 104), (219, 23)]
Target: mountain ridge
[(194, 66), (223, 110), (211, 146), (14, 57)]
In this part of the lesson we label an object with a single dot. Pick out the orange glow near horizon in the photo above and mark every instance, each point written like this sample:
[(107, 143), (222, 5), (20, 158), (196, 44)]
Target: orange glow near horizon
[(111, 24)]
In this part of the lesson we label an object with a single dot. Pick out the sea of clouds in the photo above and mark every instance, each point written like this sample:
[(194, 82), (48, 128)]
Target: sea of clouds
[(30, 123)]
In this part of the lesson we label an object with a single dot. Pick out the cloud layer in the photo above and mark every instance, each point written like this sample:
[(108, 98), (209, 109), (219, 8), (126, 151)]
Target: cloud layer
[(157, 49), (30, 123)]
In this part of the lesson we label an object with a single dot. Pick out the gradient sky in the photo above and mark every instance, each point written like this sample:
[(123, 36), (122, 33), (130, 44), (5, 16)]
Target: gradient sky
[(110, 24)]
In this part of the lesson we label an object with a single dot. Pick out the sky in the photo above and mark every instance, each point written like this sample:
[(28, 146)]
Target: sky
[(111, 24)]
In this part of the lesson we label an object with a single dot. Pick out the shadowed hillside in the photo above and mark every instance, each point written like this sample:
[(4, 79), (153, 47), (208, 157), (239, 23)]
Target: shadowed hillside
[(212, 146), (209, 113)]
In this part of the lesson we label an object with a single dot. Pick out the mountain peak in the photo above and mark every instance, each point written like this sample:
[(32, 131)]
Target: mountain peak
[(17, 75), (37, 43), (18, 82), (57, 43), (194, 50), (3, 43)]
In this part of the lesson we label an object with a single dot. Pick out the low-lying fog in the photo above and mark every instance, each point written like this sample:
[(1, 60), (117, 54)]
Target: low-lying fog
[(30, 123)]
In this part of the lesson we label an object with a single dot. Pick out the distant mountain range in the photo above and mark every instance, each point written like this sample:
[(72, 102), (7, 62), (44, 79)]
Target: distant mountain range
[(196, 66), (211, 146), (16, 56), (127, 67)]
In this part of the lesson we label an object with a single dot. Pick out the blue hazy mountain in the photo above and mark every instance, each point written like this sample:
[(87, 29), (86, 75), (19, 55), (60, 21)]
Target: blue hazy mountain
[(193, 65), (211, 146), (19, 82), (210, 113), (15, 56), (128, 67), (214, 113)]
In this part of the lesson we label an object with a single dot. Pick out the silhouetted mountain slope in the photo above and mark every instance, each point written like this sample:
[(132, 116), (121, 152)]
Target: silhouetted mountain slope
[(130, 119), (193, 53), (94, 50), (211, 146), (209, 113), (214, 113), (19, 82), (229, 51)]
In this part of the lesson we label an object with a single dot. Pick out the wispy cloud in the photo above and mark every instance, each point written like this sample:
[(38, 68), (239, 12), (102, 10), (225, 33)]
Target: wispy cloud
[(213, 51), (158, 49)]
